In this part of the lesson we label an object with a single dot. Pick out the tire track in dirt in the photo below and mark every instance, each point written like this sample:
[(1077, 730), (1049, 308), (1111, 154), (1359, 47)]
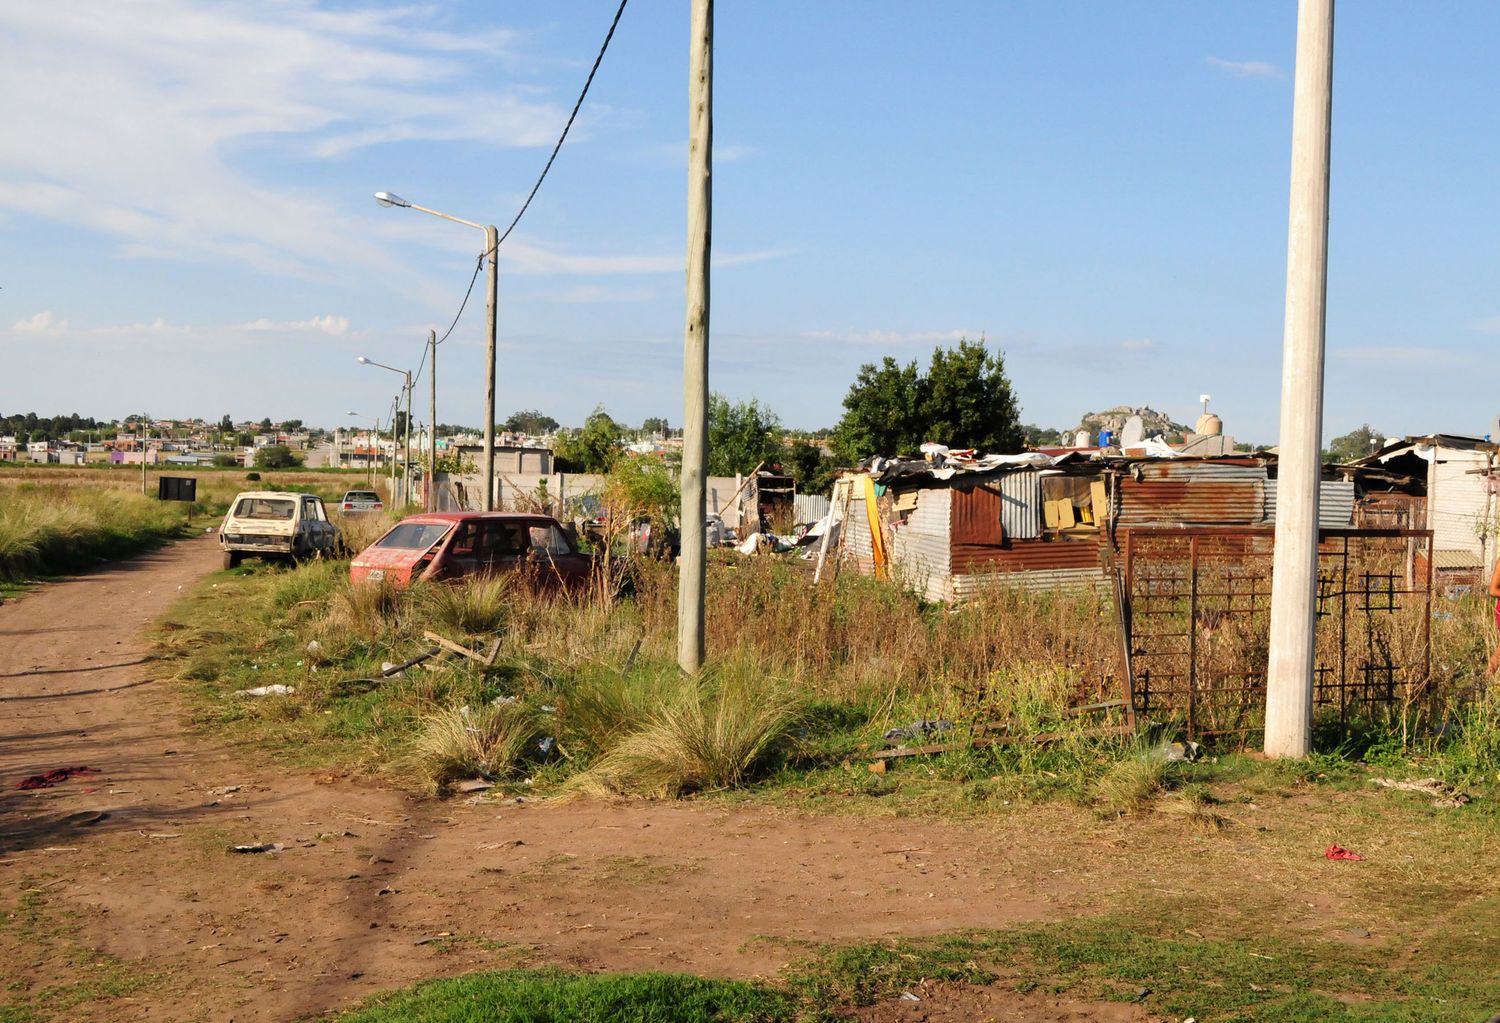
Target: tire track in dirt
[(369, 874)]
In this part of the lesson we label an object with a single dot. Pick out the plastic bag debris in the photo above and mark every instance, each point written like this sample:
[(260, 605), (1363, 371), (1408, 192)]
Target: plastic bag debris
[(271, 847), (919, 729), (273, 690)]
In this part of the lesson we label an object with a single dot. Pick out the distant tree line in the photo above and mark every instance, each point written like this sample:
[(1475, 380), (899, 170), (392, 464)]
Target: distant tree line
[(30, 426)]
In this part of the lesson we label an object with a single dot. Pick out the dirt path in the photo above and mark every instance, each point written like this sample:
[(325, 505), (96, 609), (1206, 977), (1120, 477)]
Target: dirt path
[(368, 876)]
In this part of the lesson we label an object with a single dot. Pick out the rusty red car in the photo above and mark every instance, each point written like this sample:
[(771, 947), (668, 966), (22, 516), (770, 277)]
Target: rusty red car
[(453, 545)]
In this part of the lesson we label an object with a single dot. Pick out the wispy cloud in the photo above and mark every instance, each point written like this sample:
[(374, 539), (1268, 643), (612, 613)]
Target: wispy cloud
[(1490, 325), (146, 132), (1397, 355), (328, 324), (1139, 344), (890, 338), (1245, 68)]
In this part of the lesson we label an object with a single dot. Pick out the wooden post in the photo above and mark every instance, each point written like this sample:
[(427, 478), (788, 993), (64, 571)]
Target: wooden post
[(691, 579), (1294, 576), (491, 248)]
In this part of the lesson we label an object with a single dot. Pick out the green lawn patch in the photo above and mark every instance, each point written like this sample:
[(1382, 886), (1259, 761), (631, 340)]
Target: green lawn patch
[(544, 996)]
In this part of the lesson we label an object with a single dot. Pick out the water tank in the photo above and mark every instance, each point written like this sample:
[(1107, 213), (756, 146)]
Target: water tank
[(1209, 425)]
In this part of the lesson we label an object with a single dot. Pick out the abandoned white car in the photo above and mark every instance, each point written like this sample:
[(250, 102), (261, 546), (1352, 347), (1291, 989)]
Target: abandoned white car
[(278, 524)]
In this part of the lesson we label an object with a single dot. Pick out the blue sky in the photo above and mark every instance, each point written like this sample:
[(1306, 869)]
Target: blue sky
[(1099, 190)]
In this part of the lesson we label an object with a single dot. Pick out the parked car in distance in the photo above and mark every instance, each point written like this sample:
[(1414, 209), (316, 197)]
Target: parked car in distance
[(355, 501), (277, 524), (452, 545)]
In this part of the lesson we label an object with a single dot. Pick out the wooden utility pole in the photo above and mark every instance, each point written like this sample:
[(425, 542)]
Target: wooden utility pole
[(431, 420), (690, 646), (1294, 580), (492, 248)]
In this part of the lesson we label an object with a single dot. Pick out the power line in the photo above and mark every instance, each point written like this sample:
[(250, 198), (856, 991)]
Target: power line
[(586, 83), (578, 104)]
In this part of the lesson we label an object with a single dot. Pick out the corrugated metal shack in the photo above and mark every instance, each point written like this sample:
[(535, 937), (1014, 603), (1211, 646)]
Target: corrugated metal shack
[(1043, 523)]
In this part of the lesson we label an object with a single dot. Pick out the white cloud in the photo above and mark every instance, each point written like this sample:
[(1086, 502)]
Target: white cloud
[(139, 120), (1139, 344), (1397, 354), (1491, 325), (42, 323), (327, 324), (892, 337), (1245, 68)]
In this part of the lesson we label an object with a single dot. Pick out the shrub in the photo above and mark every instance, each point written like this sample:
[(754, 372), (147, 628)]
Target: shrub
[(1132, 784), (488, 742), (473, 606), (714, 735)]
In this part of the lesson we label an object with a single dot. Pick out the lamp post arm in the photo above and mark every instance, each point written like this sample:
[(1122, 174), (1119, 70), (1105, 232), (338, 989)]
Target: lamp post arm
[(447, 216)]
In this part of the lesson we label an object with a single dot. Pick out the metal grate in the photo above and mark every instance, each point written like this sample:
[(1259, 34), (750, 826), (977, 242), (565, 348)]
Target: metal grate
[(1197, 623)]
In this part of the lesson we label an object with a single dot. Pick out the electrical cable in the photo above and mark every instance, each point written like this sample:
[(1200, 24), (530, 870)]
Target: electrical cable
[(479, 264)]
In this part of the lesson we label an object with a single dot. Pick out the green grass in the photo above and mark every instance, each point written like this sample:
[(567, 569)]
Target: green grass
[(544, 996), (1268, 976)]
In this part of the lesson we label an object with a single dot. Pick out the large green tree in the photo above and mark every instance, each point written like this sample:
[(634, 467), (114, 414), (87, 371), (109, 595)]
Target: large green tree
[(1357, 443), (530, 422), (963, 400), (741, 435), (593, 447)]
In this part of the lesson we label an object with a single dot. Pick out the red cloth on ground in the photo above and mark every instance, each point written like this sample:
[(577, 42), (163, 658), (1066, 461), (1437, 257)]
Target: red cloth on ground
[(53, 777)]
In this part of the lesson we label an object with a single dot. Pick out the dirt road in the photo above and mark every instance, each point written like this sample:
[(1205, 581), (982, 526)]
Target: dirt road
[(142, 913)]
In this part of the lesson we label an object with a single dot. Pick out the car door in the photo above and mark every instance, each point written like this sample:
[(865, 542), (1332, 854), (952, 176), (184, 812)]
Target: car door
[(550, 548), (310, 526)]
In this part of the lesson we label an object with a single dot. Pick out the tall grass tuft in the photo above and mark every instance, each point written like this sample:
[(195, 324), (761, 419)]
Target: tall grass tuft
[(1133, 784), (487, 742), (472, 606), (715, 734)]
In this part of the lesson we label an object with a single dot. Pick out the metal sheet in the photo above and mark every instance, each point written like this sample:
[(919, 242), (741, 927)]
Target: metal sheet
[(1457, 502), (809, 507), (976, 514), (920, 557), (1335, 503), (1190, 502), (1026, 556), (1021, 505), (1218, 469), (856, 538), (1049, 579)]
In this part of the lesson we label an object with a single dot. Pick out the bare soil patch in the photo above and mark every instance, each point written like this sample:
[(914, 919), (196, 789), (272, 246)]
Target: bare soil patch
[(374, 888)]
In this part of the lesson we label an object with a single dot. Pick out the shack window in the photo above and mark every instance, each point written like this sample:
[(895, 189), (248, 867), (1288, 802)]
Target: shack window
[(1074, 502)]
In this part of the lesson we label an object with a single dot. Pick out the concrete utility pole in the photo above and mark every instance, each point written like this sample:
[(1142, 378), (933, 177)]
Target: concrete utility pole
[(491, 247), (1294, 580), (690, 647), (431, 504)]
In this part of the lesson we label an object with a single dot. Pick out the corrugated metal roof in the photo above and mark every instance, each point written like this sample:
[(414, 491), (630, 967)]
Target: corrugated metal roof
[(1335, 503), (1219, 469), (1190, 502), (1455, 560)]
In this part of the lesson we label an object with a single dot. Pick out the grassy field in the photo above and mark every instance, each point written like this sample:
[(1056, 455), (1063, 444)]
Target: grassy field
[(56, 519)]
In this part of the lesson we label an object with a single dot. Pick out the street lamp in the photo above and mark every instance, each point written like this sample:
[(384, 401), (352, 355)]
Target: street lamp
[(369, 462), (406, 461), (491, 244)]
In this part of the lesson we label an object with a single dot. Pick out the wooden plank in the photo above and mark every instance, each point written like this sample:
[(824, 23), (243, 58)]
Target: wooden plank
[(452, 647)]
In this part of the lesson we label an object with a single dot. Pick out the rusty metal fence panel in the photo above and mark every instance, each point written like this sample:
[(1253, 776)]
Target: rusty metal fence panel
[(1197, 606)]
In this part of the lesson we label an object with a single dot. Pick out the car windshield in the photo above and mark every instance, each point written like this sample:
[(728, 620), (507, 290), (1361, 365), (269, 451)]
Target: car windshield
[(265, 508), (361, 495), (414, 535)]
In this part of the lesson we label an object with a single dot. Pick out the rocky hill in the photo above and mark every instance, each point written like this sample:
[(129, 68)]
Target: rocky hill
[(1114, 419)]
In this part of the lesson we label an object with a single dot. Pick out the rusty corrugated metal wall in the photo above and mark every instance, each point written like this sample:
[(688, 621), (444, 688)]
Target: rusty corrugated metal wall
[(1219, 493)]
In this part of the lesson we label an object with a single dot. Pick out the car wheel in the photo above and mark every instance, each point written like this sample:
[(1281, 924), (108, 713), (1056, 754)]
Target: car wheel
[(232, 559)]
